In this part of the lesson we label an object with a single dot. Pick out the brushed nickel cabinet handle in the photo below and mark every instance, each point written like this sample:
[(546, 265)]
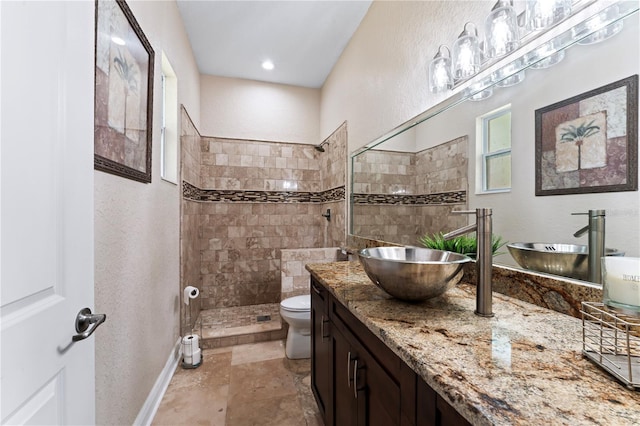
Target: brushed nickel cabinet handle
[(355, 378), (349, 369)]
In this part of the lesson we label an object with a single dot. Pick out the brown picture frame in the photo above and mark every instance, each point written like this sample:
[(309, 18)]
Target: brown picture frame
[(589, 143), (123, 110)]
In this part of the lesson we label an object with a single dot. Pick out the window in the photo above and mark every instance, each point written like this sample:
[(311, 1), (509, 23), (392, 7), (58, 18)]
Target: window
[(494, 151), (169, 129)]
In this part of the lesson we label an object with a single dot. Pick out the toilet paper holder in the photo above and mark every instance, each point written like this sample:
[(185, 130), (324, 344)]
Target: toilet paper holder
[(190, 292), (191, 352)]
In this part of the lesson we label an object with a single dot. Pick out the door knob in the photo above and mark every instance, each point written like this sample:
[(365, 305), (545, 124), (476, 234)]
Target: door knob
[(84, 320)]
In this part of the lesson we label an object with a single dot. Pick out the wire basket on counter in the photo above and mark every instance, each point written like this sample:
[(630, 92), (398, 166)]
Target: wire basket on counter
[(611, 339)]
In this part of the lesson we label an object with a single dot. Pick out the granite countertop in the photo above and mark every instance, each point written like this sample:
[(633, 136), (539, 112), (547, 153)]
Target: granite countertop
[(522, 366)]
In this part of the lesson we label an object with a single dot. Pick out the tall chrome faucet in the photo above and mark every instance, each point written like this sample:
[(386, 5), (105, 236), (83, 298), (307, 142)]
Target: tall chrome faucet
[(596, 243), (484, 256)]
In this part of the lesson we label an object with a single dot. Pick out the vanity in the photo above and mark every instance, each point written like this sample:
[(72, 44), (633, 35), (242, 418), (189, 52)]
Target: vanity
[(380, 361)]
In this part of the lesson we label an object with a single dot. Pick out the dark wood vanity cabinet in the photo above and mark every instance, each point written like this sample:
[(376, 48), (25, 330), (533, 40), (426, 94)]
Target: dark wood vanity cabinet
[(320, 347), (357, 380)]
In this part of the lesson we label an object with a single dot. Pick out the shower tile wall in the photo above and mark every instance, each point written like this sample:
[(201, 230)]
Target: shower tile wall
[(189, 221), (241, 249), (388, 176), (294, 275), (255, 198), (241, 241), (384, 172), (400, 196), (333, 173), (233, 164), (441, 170)]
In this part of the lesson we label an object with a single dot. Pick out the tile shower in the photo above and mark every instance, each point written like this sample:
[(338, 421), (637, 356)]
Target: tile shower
[(244, 203), (400, 195)]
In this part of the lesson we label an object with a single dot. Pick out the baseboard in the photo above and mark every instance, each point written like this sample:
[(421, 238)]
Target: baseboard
[(150, 406)]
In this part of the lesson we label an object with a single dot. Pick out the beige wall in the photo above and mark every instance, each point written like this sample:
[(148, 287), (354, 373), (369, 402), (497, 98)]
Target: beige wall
[(380, 81), (246, 109), (137, 246)]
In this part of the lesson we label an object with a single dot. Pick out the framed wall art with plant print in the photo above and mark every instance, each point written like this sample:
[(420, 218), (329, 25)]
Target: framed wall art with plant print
[(123, 93), (589, 143)]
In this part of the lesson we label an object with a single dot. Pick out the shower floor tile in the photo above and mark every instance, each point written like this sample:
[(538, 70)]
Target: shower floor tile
[(241, 324)]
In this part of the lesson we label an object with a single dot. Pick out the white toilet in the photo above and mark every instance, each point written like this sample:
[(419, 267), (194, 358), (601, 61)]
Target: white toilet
[(296, 311)]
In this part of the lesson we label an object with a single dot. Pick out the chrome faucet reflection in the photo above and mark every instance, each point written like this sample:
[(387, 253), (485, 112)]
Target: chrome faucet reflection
[(596, 243), (484, 256)]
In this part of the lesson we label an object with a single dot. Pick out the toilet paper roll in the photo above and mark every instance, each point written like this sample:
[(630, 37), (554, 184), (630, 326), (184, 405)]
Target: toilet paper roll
[(190, 344), (195, 358), (190, 292)]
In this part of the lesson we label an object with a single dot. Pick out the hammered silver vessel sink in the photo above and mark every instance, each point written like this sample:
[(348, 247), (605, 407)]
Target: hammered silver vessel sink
[(567, 260), (412, 273)]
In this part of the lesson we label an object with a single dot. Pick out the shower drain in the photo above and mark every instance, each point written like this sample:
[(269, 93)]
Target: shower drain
[(262, 318)]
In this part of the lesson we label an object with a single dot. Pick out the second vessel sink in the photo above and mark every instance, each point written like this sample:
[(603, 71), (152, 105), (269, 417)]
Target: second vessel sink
[(412, 273), (567, 260)]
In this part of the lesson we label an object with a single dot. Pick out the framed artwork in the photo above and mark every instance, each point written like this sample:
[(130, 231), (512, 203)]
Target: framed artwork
[(123, 93), (589, 143)]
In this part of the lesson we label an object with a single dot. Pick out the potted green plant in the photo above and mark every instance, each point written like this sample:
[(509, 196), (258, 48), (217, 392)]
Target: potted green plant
[(464, 244)]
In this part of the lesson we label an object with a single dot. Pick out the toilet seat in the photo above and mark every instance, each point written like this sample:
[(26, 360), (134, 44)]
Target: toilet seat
[(297, 303)]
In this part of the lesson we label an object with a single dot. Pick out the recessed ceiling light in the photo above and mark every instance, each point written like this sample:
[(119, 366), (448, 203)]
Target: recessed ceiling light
[(118, 40), (267, 65)]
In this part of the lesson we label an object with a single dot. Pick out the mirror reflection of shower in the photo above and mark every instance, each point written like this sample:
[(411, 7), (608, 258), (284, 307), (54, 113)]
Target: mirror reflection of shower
[(320, 148)]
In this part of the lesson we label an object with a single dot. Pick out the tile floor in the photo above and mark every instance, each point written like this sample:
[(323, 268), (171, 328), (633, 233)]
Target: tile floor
[(243, 385)]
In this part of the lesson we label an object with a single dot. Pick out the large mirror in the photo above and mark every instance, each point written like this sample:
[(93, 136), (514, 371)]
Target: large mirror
[(406, 183)]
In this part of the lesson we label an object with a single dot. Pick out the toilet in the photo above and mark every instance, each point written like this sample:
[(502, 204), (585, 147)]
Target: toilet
[(296, 311)]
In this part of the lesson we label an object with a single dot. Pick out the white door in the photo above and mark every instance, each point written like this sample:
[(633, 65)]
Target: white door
[(46, 211)]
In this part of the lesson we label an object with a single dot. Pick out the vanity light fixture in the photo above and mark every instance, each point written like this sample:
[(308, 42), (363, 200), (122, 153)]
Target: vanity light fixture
[(480, 90), (541, 14), (608, 15), (466, 53), (501, 29), (440, 77), (504, 31), (508, 75), (549, 51), (511, 80), (268, 65)]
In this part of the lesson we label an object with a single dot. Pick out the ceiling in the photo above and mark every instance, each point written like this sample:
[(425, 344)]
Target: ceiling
[(303, 39)]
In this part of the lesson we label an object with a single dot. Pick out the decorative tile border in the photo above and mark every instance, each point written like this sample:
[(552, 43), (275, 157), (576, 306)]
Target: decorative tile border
[(191, 192), (452, 197)]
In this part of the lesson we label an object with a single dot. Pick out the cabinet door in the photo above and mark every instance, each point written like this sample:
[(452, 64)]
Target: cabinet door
[(447, 415), (426, 411), (433, 410), (320, 350), (343, 360), (364, 394), (381, 392)]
